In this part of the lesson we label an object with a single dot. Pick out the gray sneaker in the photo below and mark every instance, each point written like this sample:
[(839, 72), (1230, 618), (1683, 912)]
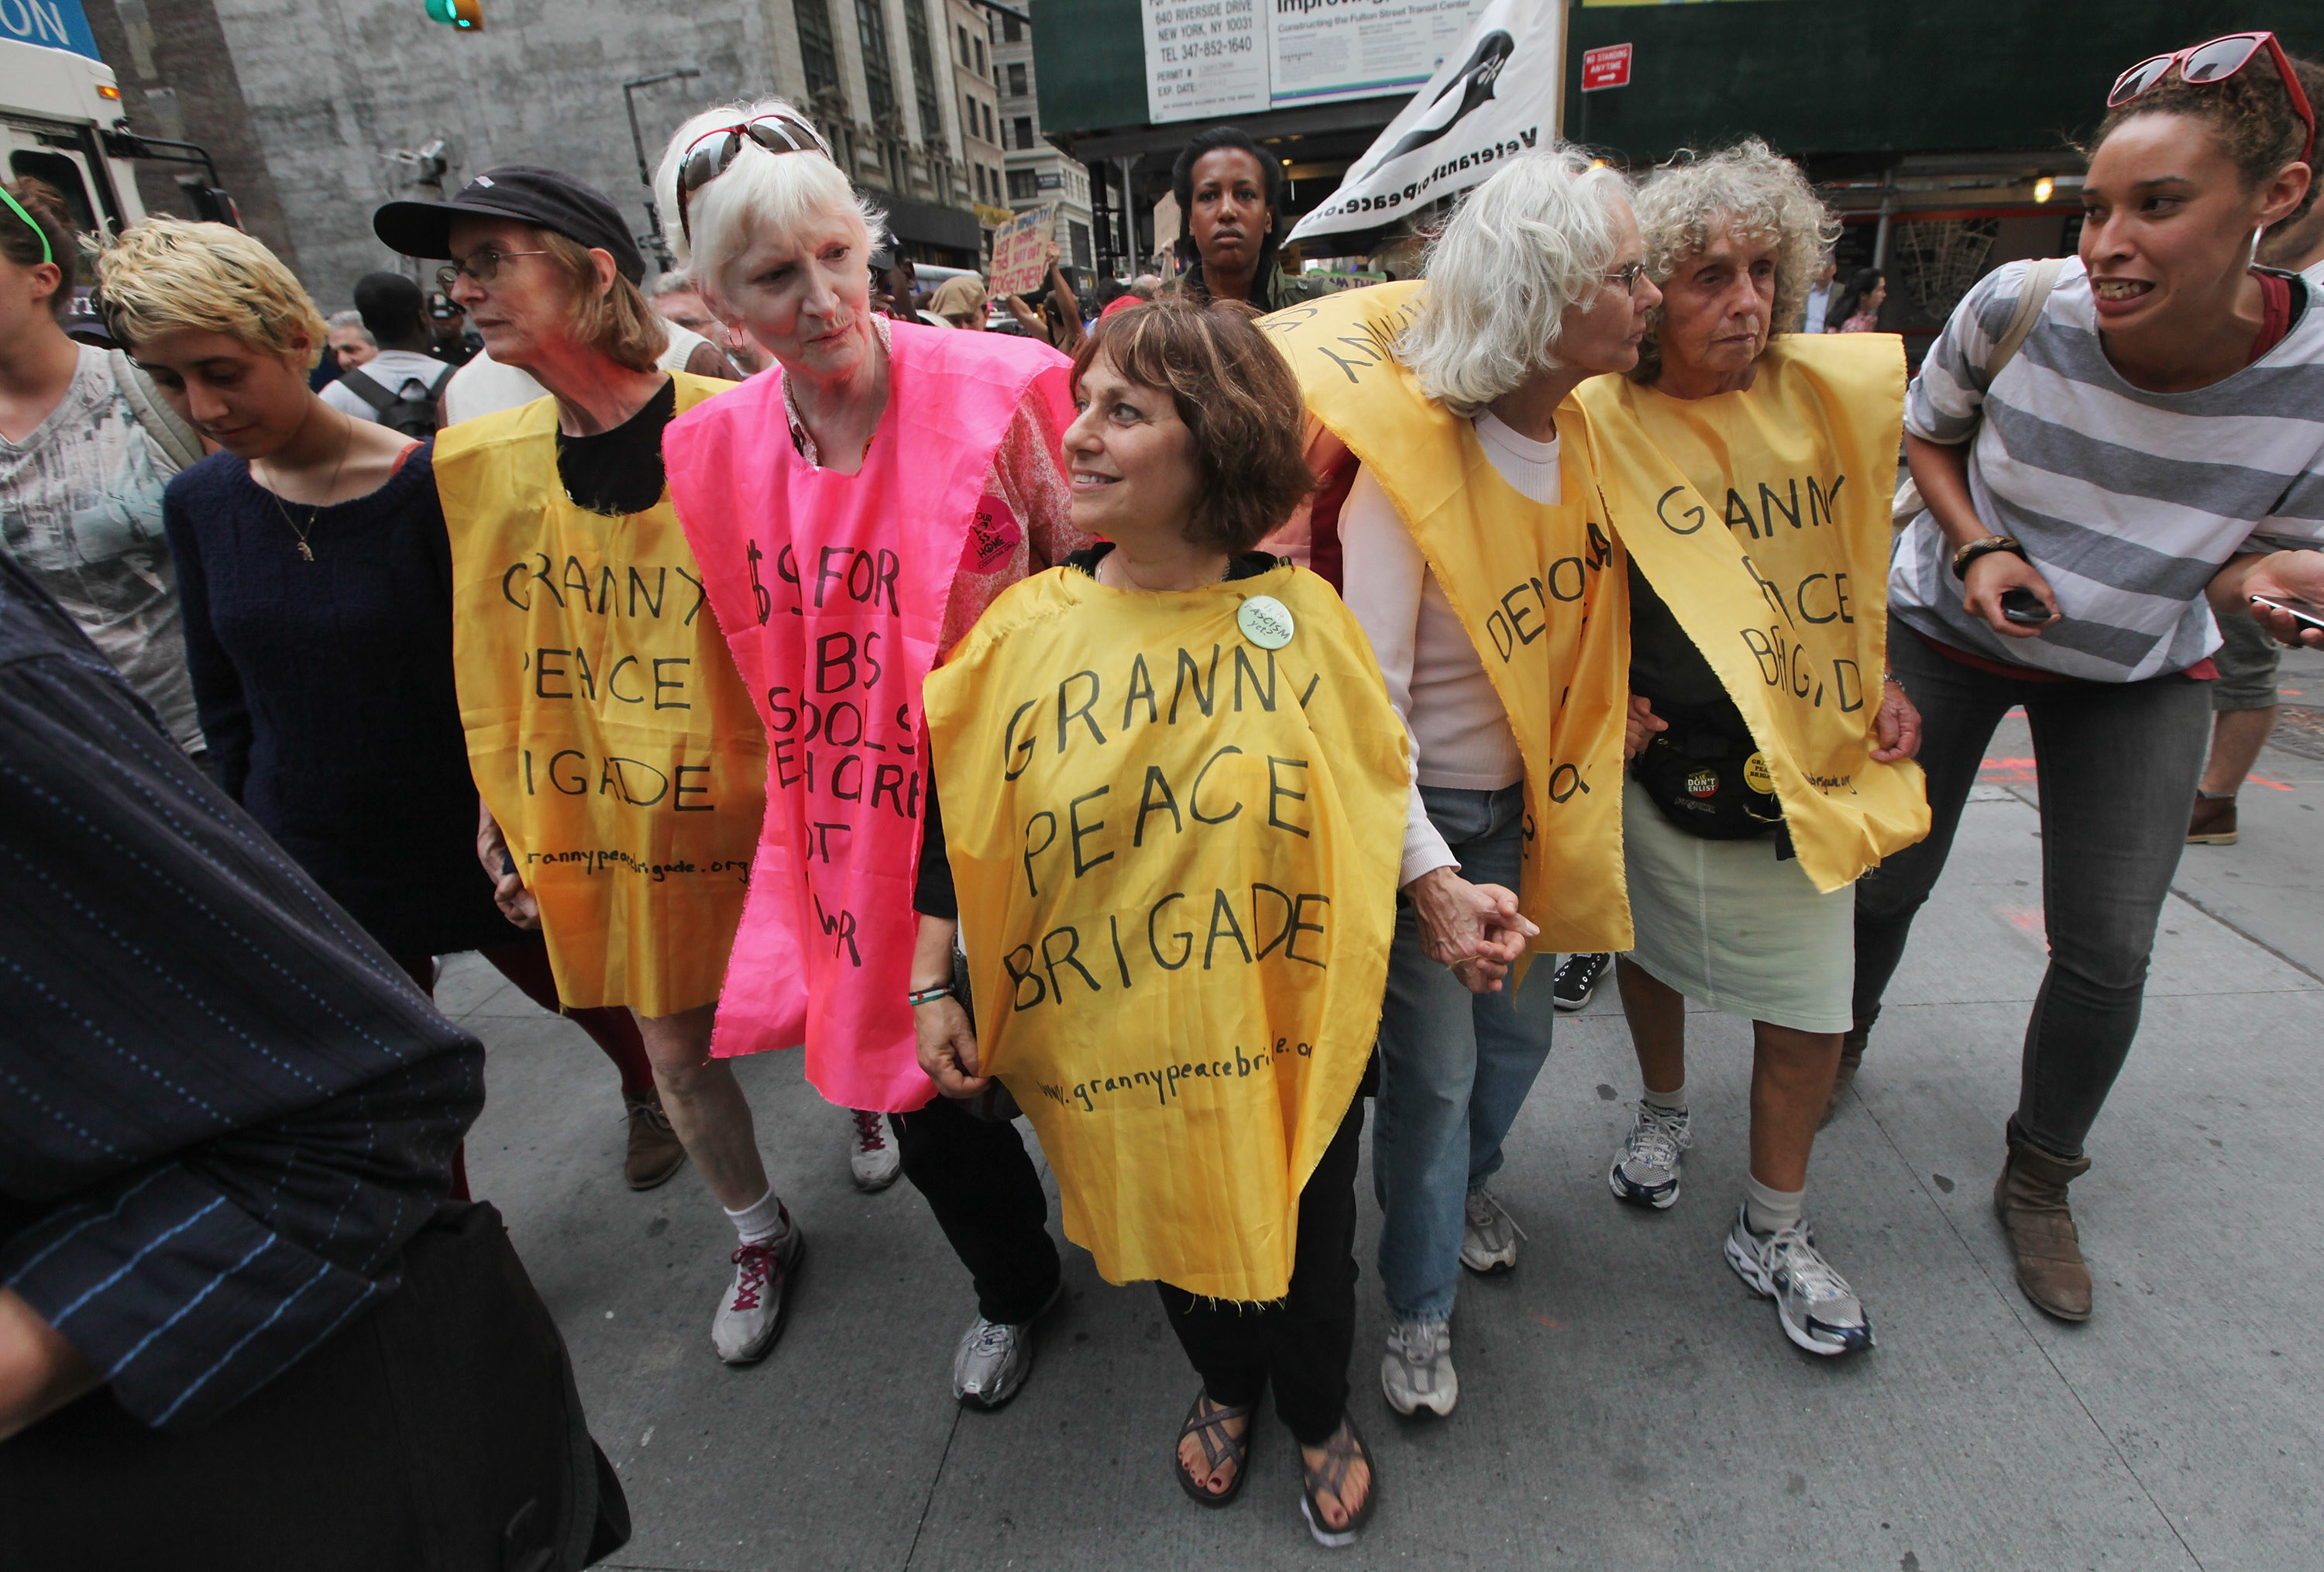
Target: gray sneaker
[(1645, 1171), (994, 1357), (1417, 1371), (752, 1316), (1489, 1235), (1818, 1309)]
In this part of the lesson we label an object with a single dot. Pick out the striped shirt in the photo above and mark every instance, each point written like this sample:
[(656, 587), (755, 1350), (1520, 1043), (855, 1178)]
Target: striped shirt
[(2126, 502), (222, 1109)]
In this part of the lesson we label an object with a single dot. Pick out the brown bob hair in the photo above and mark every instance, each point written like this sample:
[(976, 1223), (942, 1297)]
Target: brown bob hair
[(618, 322), (1235, 392)]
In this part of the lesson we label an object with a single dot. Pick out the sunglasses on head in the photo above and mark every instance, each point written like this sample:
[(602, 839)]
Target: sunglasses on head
[(709, 154), (2216, 61)]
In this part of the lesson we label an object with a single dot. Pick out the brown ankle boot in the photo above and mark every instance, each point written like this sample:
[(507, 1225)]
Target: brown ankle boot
[(2030, 1199), (1851, 1059)]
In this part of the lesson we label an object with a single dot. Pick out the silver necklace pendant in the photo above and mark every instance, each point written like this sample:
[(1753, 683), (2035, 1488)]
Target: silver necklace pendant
[(306, 550)]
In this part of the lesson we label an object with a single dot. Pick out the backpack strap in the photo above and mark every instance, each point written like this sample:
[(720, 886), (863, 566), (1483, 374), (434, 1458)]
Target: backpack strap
[(178, 440), (368, 390), (2040, 280)]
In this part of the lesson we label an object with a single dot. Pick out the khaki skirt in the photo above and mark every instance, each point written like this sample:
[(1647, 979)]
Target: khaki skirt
[(1723, 922)]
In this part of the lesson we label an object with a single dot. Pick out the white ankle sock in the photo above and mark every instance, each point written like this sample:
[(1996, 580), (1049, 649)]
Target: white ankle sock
[(761, 1220), (1671, 1102), (1766, 1210)]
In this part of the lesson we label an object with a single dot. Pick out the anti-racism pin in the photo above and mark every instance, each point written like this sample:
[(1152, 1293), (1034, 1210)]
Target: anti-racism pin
[(1265, 622)]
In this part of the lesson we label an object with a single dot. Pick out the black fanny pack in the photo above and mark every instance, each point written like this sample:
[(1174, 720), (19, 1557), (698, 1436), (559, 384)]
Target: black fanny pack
[(1708, 778)]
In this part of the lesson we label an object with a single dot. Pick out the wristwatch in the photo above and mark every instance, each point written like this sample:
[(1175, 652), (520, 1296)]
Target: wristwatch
[(1965, 555)]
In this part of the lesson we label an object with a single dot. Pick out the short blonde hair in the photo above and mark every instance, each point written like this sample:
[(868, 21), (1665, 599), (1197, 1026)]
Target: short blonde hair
[(759, 191), (616, 322), (1752, 193), (165, 274), (1536, 238)]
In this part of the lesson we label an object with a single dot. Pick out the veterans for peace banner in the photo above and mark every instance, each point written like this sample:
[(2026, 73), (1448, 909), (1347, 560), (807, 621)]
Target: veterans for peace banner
[(1173, 822), (1496, 96)]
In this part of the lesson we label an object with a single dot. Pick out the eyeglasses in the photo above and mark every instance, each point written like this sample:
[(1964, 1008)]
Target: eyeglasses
[(1628, 275), (2216, 61), (484, 267), (709, 154)]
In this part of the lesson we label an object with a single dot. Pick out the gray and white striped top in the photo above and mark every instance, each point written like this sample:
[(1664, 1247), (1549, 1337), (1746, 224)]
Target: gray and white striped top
[(2126, 500)]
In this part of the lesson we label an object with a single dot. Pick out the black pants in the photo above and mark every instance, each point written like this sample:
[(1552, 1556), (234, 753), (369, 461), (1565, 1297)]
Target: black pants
[(1303, 1343), (980, 1185), (2118, 763), (439, 1429)]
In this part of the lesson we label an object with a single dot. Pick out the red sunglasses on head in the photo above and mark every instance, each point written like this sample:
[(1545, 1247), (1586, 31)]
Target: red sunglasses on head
[(2215, 62)]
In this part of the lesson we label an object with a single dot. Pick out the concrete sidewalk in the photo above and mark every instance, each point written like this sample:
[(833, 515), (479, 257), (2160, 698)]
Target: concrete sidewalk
[(1626, 1402)]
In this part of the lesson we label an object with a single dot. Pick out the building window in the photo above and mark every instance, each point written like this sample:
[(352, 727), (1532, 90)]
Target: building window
[(1017, 79), (1012, 29), (988, 135), (1025, 130), (922, 45), (1080, 235), (980, 182), (879, 76), (979, 57), (1023, 185), (818, 51), (962, 56)]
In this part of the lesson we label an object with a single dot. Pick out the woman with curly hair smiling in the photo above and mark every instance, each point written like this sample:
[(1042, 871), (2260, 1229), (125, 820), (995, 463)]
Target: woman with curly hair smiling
[(1766, 760)]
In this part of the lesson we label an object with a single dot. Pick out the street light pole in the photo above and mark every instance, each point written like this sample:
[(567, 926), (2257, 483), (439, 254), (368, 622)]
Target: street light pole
[(645, 176)]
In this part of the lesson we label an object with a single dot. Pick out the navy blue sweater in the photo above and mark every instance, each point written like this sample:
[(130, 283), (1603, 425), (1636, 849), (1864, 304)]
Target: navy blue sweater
[(326, 693)]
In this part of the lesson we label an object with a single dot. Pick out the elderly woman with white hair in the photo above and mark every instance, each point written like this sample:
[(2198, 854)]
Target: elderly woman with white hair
[(854, 510), (1768, 768), (1462, 506)]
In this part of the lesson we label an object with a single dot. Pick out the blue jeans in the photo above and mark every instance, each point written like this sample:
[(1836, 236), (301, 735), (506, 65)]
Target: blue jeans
[(1454, 1069)]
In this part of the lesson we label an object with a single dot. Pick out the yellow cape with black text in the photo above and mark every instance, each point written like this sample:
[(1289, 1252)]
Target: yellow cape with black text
[(607, 729), (1540, 588), (1175, 854), (1788, 601)]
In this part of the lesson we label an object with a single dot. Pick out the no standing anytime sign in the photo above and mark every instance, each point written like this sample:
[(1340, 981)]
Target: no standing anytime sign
[(1608, 67)]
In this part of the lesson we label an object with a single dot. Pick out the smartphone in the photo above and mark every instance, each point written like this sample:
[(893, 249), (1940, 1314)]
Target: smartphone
[(2023, 606), (2308, 615)]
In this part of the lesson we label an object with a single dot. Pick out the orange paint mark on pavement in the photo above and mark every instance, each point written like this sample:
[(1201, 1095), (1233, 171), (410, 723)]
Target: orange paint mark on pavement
[(1544, 1320), (2264, 781)]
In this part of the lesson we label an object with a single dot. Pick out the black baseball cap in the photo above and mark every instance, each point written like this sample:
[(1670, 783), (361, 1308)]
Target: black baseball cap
[(531, 196)]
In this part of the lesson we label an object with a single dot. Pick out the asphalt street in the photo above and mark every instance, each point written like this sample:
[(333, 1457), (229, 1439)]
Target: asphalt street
[(1626, 1402)]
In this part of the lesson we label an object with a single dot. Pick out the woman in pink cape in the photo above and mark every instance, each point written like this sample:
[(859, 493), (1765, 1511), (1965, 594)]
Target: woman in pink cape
[(853, 513)]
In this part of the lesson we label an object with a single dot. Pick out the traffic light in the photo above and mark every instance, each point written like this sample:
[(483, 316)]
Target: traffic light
[(467, 16)]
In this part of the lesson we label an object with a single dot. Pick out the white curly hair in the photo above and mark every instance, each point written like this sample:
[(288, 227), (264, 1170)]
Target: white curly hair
[(1748, 191), (1531, 241)]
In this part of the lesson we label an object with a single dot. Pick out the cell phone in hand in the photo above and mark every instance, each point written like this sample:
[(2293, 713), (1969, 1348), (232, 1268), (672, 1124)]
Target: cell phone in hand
[(2023, 606), (2307, 617)]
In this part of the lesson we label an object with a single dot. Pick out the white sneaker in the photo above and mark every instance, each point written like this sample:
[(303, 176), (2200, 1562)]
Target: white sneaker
[(1489, 1235), (750, 1317), (1645, 1171), (1819, 1311), (873, 1159), (1417, 1371)]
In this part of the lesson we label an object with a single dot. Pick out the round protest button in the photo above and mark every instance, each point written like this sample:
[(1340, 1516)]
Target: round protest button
[(1265, 622)]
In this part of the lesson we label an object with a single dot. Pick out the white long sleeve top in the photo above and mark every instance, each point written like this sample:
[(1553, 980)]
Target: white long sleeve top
[(1460, 735)]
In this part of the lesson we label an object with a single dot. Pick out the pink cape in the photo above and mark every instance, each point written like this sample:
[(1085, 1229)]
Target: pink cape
[(831, 589)]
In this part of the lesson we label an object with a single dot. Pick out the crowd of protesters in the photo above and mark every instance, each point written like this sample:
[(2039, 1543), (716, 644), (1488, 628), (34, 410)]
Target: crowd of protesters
[(760, 658)]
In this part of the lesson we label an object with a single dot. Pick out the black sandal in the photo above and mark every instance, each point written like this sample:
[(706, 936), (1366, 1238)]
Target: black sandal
[(1340, 1453), (1200, 1425)]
